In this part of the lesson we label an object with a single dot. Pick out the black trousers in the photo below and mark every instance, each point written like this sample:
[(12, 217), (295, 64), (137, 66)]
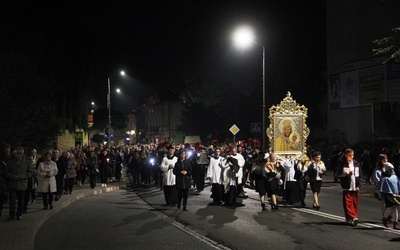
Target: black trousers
[(200, 175), (217, 193), (118, 172), (2, 199), (47, 199), (302, 187), (230, 197), (69, 184), (170, 195), (14, 196), (103, 175), (183, 193), (156, 176), (93, 179), (29, 191), (60, 184), (292, 192)]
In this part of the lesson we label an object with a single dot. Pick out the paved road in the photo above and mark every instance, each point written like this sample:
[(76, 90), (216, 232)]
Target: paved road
[(122, 219), (117, 220), (247, 227)]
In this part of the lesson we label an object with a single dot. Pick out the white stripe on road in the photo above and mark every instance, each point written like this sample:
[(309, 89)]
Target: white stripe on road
[(342, 219)]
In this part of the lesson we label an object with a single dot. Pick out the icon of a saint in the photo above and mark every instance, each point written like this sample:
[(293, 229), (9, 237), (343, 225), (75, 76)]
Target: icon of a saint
[(289, 139)]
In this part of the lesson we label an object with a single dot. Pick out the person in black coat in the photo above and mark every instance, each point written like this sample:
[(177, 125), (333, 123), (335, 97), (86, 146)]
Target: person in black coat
[(183, 173), (105, 162), (259, 175), (92, 163)]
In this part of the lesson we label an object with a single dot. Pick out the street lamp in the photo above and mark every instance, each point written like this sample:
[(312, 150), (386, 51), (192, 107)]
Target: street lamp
[(122, 73), (244, 37)]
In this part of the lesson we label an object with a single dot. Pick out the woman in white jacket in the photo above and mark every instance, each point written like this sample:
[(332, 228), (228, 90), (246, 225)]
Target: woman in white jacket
[(47, 170)]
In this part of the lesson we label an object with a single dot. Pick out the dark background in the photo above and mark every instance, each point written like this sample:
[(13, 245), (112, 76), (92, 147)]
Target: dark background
[(75, 45)]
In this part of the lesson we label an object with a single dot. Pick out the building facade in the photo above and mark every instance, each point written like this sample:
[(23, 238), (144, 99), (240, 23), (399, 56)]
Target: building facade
[(157, 122), (363, 91)]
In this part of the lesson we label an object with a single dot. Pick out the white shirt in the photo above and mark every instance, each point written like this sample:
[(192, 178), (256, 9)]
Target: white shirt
[(289, 170), (168, 175), (214, 170), (241, 163)]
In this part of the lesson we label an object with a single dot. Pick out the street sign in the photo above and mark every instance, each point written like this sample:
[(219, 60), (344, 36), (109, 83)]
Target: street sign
[(234, 129), (255, 127)]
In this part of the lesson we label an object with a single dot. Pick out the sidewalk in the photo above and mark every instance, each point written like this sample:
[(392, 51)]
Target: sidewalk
[(21, 234)]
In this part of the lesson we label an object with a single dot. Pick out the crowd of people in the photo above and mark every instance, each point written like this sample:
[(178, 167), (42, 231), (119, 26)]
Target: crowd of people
[(26, 175), (176, 169)]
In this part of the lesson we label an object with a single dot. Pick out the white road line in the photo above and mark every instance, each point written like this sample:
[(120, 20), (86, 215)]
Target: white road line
[(342, 219)]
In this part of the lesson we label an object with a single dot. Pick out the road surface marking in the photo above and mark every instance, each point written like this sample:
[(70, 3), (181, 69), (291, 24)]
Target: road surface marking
[(342, 219)]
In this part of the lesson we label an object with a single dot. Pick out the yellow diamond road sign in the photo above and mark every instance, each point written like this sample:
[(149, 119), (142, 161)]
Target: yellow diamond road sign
[(234, 129)]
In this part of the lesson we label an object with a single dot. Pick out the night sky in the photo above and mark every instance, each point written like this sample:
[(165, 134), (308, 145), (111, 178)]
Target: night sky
[(161, 44)]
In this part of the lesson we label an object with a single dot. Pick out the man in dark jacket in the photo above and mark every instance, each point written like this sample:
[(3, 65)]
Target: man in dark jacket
[(18, 171), (183, 171), (349, 173)]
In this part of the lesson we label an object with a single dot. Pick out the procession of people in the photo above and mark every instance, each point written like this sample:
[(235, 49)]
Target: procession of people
[(181, 169)]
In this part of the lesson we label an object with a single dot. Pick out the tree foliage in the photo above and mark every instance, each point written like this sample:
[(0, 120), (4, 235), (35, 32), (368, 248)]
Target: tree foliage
[(389, 46), (118, 119), (28, 114), (214, 104)]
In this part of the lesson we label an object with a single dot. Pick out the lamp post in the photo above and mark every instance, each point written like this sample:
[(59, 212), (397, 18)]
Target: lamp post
[(243, 37), (122, 73)]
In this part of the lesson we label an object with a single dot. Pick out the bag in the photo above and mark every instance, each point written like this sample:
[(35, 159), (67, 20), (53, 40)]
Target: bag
[(377, 195), (394, 200)]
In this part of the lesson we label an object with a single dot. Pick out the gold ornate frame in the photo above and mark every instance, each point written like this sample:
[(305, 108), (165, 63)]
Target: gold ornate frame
[(290, 114)]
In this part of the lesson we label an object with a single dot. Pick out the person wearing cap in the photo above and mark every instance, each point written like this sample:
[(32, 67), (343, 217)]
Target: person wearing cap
[(389, 188), (47, 185), (349, 173)]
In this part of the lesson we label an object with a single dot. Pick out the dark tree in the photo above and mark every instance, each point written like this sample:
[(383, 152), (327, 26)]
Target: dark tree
[(27, 104), (118, 119)]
